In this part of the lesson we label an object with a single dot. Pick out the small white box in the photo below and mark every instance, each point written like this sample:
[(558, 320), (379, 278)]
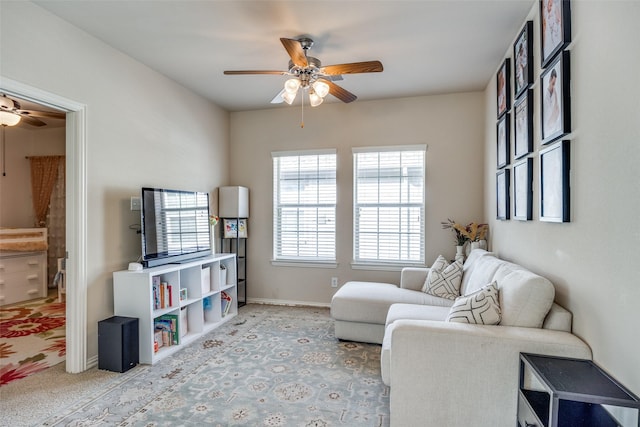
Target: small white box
[(223, 277), (206, 280), (184, 322)]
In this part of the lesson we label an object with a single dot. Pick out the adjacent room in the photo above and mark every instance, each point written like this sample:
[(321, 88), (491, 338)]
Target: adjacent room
[(403, 212)]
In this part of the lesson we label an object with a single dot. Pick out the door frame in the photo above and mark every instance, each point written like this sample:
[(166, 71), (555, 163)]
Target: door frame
[(76, 215)]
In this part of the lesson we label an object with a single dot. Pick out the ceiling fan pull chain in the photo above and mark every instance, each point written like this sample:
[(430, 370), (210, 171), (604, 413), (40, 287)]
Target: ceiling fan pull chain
[(302, 104)]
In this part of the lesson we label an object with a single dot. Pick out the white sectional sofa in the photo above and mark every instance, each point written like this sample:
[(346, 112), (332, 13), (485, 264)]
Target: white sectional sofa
[(445, 373)]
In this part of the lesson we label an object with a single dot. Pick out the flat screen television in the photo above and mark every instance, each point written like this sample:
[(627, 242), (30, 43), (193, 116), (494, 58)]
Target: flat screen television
[(175, 226)]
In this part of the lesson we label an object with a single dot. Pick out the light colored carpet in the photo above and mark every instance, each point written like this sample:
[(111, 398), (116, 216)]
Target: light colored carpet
[(269, 366)]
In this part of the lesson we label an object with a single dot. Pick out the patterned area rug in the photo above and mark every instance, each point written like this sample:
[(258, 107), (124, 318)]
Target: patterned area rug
[(269, 366), (32, 338)]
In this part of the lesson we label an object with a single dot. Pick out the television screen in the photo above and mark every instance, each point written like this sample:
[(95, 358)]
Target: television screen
[(175, 226)]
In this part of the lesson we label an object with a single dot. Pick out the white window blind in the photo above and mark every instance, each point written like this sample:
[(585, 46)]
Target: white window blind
[(304, 205), (389, 204)]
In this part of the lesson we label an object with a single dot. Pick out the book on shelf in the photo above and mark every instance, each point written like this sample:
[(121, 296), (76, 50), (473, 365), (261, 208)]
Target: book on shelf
[(225, 300), (162, 294), (169, 326)]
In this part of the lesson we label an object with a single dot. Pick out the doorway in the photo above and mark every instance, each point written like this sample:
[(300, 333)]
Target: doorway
[(76, 215)]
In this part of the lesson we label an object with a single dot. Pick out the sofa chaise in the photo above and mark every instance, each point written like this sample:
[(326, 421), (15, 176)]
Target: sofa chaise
[(445, 373)]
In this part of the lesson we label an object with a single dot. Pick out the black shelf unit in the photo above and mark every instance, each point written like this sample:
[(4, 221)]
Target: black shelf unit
[(237, 245), (571, 392)]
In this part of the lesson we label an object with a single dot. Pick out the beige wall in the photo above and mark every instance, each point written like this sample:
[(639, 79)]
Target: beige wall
[(16, 201), (142, 129), (593, 260), (451, 125)]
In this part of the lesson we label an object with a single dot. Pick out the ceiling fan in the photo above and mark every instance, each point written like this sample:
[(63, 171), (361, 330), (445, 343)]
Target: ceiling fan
[(11, 114), (308, 73)]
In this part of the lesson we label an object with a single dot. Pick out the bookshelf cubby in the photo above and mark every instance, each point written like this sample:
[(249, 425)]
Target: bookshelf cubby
[(134, 296)]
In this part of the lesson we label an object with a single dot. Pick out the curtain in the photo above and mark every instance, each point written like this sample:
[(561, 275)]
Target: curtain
[(56, 222), (48, 195), (44, 170)]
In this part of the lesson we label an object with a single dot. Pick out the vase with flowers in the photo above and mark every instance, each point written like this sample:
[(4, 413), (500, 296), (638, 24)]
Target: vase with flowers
[(472, 235), (213, 221)]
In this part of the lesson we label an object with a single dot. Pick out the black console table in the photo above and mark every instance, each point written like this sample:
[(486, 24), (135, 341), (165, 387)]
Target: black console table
[(556, 391)]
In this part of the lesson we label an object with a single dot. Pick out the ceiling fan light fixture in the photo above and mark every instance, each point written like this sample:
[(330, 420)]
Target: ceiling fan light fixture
[(314, 98), (9, 119), (291, 86), (289, 97), (321, 88)]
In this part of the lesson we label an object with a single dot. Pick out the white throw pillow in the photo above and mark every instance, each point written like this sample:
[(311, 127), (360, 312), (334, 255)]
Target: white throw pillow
[(444, 279), (481, 307)]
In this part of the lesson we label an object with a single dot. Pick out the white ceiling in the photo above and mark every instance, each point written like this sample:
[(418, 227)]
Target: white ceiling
[(426, 47)]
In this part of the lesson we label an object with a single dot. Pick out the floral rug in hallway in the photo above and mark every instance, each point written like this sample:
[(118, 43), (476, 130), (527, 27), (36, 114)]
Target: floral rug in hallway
[(32, 338)]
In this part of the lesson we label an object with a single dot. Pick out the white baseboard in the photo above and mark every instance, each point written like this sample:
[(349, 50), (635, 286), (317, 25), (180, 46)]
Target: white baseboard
[(92, 362), (287, 302)]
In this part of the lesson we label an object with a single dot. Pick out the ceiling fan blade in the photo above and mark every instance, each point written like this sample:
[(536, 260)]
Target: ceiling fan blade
[(339, 92), (243, 72), (45, 114), (278, 99), (295, 51), (354, 67), (31, 120)]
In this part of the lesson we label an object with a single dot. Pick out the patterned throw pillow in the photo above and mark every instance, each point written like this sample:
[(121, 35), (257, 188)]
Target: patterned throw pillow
[(444, 279), (481, 307)]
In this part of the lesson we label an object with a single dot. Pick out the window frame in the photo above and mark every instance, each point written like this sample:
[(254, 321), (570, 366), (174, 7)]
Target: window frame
[(278, 258), (381, 264)]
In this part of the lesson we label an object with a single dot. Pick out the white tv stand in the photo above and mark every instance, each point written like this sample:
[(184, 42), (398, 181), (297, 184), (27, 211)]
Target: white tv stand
[(133, 297)]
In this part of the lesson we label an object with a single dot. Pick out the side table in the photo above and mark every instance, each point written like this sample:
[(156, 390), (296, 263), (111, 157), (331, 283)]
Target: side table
[(557, 391)]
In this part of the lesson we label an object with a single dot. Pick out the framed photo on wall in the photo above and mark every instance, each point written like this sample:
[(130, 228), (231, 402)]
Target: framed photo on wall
[(554, 183), (523, 123), (556, 100), (555, 28), (523, 60), (523, 190), (502, 142), (503, 87), (502, 194)]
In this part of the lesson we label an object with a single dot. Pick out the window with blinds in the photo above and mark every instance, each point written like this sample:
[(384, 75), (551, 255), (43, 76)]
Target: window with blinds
[(304, 205), (389, 204)]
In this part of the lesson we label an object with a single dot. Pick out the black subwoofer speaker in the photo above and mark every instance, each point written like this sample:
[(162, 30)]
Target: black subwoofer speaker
[(118, 349)]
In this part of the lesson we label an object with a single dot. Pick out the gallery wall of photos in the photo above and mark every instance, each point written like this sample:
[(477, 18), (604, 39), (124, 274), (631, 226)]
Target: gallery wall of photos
[(515, 120)]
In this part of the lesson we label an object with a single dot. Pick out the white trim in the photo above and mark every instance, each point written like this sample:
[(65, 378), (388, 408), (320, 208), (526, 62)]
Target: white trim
[(382, 267), (268, 301), (417, 147), (76, 212), (303, 152), (304, 264)]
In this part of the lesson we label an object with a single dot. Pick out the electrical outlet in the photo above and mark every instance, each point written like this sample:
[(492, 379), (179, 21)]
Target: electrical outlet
[(334, 282), (135, 203)]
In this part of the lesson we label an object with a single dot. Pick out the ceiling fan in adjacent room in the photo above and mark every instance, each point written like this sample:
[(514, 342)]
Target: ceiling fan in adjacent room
[(307, 74), (11, 114)]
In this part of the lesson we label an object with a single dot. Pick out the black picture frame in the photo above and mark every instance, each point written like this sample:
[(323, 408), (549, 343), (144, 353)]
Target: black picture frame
[(523, 190), (554, 182), (503, 209), (555, 108), (503, 88), (555, 28), (503, 130), (523, 60), (523, 125)]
